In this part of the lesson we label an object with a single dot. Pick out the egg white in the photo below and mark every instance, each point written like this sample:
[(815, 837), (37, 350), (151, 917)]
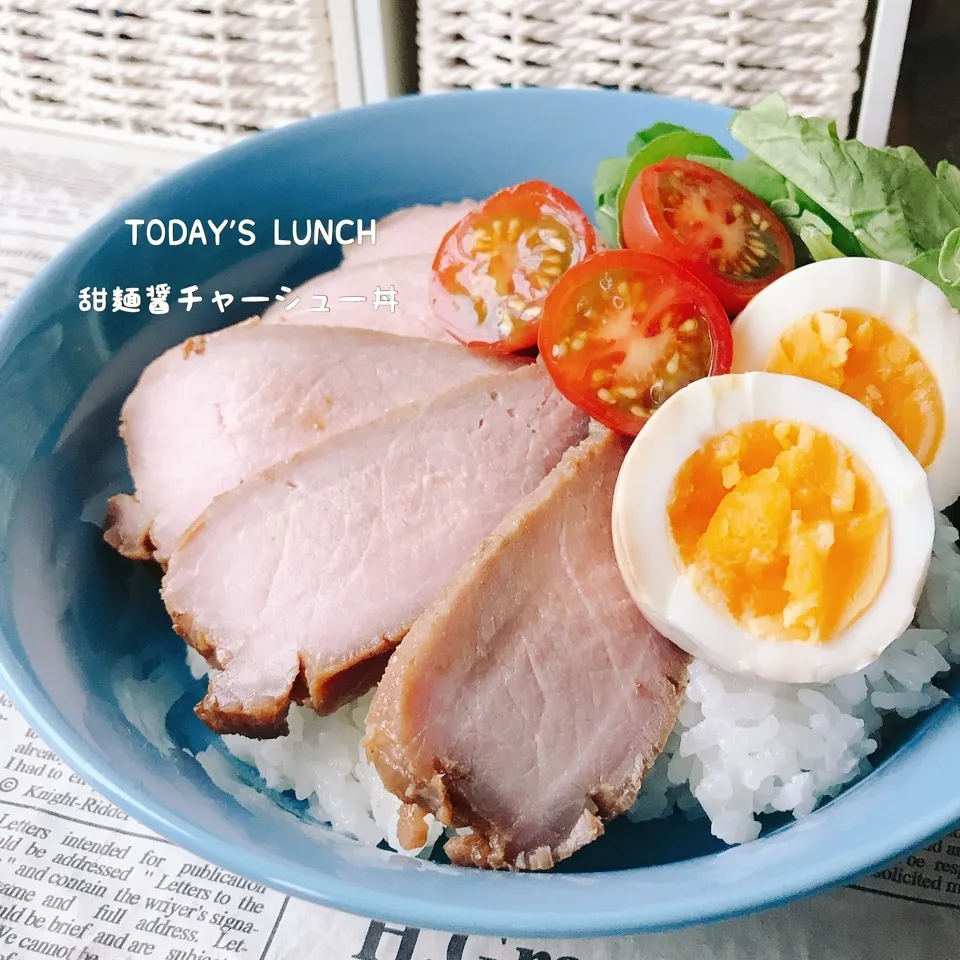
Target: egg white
[(905, 301), (647, 554)]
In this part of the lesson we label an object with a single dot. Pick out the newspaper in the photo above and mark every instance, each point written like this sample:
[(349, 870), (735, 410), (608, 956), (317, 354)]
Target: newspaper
[(81, 879)]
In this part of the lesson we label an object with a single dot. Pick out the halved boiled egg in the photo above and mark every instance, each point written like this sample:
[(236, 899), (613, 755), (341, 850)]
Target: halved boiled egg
[(876, 331), (773, 526)]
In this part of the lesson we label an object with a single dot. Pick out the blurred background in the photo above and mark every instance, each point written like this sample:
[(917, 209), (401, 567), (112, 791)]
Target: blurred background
[(213, 71), (926, 111)]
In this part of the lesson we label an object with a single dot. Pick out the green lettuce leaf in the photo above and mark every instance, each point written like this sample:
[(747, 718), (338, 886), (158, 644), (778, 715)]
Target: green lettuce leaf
[(949, 178), (888, 199), (606, 185), (948, 259), (641, 139), (815, 234), (927, 264)]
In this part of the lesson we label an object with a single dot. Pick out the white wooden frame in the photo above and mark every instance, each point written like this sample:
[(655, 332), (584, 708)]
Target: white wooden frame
[(367, 43), (882, 71)]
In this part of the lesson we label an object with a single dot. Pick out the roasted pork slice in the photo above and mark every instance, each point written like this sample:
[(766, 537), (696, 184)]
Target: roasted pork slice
[(530, 698), (216, 410), (333, 299), (299, 583), (413, 230)]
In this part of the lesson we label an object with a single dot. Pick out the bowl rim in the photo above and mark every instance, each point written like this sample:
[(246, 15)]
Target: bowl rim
[(397, 907), (722, 901)]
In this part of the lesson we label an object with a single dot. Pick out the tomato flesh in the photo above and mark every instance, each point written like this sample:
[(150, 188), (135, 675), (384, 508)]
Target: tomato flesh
[(708, 223), (623, 331), (494, 269)]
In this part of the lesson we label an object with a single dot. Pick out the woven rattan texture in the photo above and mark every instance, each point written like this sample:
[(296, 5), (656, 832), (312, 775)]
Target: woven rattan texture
[(207, 70), (729, 52)]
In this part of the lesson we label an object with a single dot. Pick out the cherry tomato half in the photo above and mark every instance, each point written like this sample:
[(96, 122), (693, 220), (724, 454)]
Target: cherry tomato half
[(623, 331), (708, 223), (494, 268)]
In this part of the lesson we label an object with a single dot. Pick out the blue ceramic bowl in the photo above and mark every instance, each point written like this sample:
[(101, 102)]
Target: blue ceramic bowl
[(71, 609)]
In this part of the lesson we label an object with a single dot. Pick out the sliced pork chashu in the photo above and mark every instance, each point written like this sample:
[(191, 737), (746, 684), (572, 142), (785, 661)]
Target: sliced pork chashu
[(413, 230), (300, 582), (408, 275), (531, 697), (216, 410)]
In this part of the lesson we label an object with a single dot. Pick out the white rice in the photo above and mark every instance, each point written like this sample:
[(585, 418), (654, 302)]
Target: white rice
[(146, 700), (744, 747), (741, 748), (321, 760)]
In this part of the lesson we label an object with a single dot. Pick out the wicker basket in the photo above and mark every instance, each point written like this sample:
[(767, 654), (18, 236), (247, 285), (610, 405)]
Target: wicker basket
[(208, 71), (730, 52)]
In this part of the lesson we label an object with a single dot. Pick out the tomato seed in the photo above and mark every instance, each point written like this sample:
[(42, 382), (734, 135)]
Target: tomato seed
[(606, 396), (631, 393), (639, 411), (482, 242), (673, 364), (688, 326), (737, 209)]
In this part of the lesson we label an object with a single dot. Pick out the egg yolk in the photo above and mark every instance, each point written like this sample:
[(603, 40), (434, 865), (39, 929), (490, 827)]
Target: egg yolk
[(781, 527), (863, 357)]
